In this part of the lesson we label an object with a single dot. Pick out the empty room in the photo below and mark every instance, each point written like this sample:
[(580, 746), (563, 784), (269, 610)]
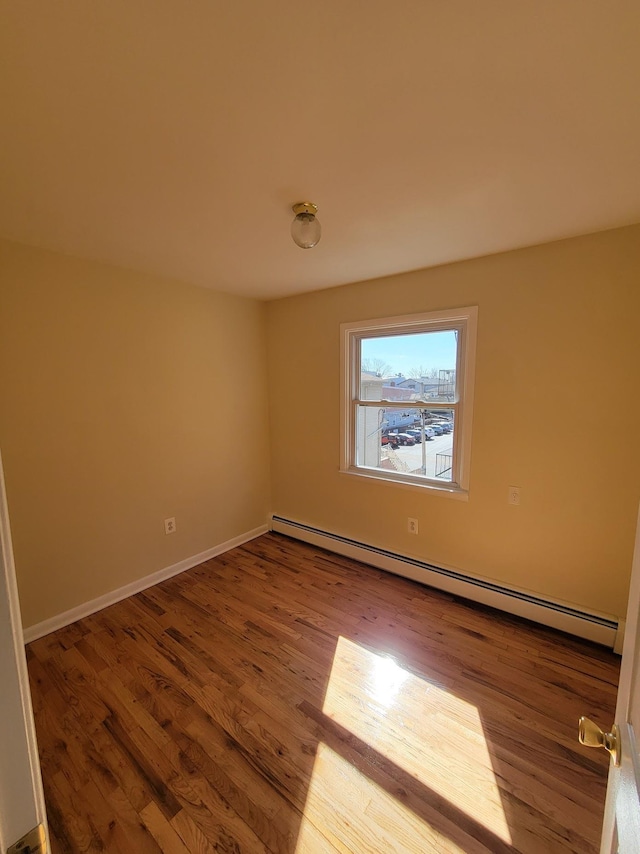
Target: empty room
[(320, 467)]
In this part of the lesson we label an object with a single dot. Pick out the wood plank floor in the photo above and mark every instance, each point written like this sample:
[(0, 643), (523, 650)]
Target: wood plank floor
[(281, 699)]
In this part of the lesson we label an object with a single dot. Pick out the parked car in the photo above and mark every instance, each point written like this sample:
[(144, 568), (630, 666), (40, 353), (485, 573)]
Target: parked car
[(406, 438), (390, 439), (444, 425), (416, 432), (437, 429), (401, 439)]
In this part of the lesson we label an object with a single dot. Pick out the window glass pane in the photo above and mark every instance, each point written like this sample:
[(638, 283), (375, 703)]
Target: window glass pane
[(409, 441), (415, 367), (419, 366)]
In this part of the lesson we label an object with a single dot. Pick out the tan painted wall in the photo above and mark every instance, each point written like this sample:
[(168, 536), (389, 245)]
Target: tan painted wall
[(556, 413), (114, 386), (126, 399)]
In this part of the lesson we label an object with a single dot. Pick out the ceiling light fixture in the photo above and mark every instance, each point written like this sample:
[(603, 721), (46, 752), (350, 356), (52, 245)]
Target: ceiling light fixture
[(305, 228)]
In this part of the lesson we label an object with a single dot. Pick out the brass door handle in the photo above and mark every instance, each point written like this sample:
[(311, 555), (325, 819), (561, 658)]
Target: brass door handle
[(591, 735)]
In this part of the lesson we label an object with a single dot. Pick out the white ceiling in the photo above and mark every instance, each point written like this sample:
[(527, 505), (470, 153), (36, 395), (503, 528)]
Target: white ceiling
[(173, 135)]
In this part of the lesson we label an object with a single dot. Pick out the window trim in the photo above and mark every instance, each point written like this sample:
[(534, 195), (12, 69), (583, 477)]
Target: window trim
[(465, 319)]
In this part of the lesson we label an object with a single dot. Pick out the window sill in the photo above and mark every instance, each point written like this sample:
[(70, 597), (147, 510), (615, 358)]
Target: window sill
[(447, 490)]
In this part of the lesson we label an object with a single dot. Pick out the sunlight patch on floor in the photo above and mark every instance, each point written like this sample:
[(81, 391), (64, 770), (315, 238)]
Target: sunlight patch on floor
[(355, 814), (431, 734)]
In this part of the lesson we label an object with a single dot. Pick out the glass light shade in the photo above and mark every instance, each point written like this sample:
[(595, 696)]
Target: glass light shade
[(305, 230)]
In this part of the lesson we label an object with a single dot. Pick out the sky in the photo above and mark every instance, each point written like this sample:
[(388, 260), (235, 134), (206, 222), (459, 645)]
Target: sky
[(405, 352)]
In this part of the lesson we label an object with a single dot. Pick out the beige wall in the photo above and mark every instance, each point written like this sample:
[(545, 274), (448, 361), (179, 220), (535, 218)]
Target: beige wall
[(126, 399), (121, 395), (556, 413)]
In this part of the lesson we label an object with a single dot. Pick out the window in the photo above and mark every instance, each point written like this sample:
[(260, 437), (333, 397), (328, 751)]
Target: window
[(407, 393)]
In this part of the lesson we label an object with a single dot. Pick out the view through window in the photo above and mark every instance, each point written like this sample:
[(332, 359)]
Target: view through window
[(408, 397)]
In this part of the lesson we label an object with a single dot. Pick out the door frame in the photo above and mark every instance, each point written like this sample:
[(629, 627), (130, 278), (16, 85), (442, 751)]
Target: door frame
[(22, 804), (623, 785)]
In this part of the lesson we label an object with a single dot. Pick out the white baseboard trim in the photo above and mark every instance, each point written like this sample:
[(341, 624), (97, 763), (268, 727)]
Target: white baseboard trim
[(67, 617), (601, 628), (617, 646)]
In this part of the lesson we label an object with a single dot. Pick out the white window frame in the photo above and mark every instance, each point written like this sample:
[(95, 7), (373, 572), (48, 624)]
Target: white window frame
[(464, 321)]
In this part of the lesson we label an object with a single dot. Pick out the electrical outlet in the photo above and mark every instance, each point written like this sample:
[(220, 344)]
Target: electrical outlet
[(170, 525), (412, 525), (514, 495)]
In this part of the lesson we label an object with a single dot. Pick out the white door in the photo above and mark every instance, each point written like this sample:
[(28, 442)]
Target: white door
[(621, 831), (21, 798)]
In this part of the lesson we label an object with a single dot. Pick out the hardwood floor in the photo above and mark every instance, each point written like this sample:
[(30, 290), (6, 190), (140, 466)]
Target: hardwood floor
[(281, 699)]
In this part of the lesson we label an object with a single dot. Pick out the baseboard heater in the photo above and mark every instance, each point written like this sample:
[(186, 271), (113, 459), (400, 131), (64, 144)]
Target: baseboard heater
[(600, 628)]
